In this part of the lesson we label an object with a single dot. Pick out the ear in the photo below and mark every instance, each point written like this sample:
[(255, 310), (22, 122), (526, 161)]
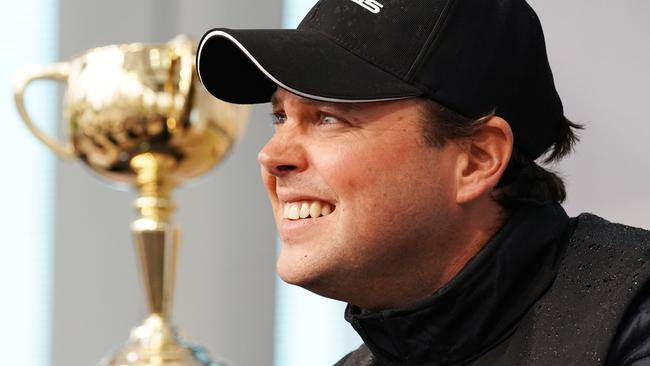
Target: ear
[(486, 155)]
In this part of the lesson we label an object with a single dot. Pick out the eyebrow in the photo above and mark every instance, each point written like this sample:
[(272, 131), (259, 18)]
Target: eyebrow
[(347, 107)]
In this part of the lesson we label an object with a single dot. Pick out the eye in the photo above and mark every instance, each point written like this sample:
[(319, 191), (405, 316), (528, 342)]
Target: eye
[(328, 119), (278, 118)]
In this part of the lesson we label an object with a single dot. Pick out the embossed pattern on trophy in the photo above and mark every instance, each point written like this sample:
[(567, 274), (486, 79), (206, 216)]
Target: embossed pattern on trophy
[(125, 100)]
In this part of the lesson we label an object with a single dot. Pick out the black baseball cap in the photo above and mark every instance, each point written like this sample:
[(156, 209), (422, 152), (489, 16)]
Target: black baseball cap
[(472, 56)]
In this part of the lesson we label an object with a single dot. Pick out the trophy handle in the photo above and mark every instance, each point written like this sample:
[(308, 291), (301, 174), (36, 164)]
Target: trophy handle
[(57, 72)]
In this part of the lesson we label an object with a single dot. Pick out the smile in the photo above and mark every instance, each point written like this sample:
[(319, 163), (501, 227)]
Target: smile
[(305, 209)]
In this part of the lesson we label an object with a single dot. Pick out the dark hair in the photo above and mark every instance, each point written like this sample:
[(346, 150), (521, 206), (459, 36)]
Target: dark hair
[(524, 181)]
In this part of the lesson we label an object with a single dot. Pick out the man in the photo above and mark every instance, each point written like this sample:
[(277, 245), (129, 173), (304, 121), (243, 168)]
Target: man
[(403, 181)]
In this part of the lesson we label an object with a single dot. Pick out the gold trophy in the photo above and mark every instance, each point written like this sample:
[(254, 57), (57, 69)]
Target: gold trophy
[(137, 115)]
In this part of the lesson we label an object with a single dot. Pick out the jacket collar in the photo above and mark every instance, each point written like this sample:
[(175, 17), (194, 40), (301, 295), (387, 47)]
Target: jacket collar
[(481, 305)]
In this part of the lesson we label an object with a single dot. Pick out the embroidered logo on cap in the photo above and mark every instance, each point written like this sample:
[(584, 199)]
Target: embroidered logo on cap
[(371, 5)]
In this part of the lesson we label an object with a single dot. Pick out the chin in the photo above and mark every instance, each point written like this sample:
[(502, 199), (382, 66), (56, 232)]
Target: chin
[(307, 275), (295, 272)]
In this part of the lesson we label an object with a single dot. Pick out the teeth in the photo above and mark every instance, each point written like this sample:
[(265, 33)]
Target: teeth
[(315, 209), (327, 209), (303, 210), (294, 212)]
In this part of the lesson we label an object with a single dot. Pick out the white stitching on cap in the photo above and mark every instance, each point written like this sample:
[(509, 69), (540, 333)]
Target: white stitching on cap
[(219, 33)]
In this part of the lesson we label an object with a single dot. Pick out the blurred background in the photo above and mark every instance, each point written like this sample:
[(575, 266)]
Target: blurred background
[(69, 287)]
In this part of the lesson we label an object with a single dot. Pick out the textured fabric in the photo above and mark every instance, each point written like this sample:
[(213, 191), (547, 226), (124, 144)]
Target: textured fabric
[(473, 56), (577, 319), (573, 323), (632, 343), (392, 39)]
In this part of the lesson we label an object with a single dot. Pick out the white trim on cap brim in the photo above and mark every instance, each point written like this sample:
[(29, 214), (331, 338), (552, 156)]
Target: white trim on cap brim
[(219, 33)]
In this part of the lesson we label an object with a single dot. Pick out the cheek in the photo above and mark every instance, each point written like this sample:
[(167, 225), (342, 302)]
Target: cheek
[(380, 173), (349, 172), (376, 185), (377, 189)]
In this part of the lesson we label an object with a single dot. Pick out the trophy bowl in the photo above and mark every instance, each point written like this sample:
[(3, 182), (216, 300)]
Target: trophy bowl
[(137, 115), (125, 100)]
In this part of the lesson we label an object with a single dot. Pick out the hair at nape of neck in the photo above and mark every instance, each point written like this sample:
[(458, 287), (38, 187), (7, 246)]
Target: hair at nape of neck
[(524, 180)]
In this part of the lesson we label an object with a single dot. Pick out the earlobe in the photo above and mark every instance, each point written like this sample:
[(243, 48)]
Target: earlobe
[(487, 154)]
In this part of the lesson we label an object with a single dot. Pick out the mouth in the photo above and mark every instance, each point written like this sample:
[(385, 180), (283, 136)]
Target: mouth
[(301, 210)]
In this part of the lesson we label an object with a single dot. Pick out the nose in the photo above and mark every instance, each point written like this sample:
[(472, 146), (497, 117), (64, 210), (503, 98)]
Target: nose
[(283, 154)]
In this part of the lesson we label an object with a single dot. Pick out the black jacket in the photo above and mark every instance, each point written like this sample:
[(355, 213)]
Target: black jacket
[(545, 290)]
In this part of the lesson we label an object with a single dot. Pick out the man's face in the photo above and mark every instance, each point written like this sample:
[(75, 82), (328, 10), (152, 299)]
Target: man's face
[(391, 197)]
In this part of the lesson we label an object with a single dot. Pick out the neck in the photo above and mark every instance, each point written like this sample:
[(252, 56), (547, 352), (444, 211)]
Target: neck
[(438, 265), (481, 304), (478, 223)]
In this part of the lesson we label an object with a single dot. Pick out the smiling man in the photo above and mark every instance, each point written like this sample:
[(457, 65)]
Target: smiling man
[(403, 179), (397, 210)]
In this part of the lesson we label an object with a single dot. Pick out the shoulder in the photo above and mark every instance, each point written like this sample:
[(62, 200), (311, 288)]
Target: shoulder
[(588, 224), (602, 270), (599, 247), (604, 266), (631, 346), (627, 249), (602, 256)]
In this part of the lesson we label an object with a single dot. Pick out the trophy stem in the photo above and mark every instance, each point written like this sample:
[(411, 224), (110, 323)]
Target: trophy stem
[(156, 245), (156, 237), (154, 182), (155, 342)]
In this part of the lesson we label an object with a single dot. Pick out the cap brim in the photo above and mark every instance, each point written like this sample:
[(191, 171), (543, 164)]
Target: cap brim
[(247, 66)]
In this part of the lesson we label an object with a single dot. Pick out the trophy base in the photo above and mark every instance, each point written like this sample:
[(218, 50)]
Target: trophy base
[(155, 343)]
